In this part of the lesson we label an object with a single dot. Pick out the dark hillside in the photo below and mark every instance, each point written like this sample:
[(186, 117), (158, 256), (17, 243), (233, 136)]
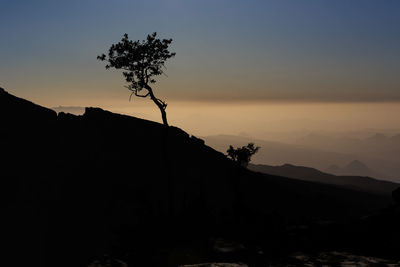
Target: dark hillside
[(77, 187), (366, 184)]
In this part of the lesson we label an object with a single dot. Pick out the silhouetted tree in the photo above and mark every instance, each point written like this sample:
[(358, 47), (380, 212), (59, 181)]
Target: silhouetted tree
[(141, 62), (242, 155)]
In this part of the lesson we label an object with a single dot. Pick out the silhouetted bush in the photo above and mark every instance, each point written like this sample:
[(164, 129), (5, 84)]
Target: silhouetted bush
[(242, 155)]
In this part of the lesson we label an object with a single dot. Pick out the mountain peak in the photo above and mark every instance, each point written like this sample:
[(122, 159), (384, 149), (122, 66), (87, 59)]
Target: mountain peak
[(356, 163)]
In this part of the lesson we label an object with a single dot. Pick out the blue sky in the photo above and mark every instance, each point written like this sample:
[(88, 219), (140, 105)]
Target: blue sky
[(342, 50)]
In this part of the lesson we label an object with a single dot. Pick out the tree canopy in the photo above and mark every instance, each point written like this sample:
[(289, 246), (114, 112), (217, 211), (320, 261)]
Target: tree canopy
[(140, 61)]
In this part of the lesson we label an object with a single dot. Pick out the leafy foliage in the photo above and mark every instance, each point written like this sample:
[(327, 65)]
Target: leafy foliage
[(242, 155), (140, 61)]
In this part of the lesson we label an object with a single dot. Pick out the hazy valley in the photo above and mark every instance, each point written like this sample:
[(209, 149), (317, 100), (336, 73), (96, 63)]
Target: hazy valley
[(324, 155)]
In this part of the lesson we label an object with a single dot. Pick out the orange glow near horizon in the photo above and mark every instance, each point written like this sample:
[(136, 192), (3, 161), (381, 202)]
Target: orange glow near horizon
[(250, 118), (255, 119)]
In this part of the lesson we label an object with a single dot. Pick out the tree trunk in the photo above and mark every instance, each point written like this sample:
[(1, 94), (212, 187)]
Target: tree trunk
[(170, 180), (159, 105), (163, 115)]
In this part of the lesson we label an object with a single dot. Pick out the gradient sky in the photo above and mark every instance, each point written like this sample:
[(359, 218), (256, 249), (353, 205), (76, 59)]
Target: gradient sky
[(227, 51)]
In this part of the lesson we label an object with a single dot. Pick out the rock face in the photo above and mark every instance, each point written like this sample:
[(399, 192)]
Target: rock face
[(80, 186)]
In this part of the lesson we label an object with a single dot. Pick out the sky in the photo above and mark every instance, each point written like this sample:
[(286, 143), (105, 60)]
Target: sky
[(240, 53)]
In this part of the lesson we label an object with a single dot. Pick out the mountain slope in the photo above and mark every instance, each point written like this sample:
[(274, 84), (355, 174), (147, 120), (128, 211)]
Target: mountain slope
[(366, 184), (78, 187)]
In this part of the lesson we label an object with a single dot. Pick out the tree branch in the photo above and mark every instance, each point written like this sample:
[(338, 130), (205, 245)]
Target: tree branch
[(130, 96), (146, 95), (135, 92)]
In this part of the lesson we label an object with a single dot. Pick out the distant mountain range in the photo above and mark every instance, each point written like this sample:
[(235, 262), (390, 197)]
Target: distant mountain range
[(355, 167), (301, 154), (385, 150), (310, 174)]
